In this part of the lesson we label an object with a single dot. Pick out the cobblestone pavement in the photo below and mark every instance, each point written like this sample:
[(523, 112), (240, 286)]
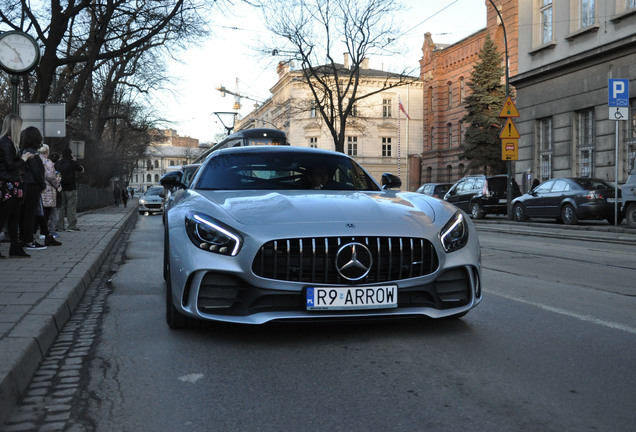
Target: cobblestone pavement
[(38, 296)]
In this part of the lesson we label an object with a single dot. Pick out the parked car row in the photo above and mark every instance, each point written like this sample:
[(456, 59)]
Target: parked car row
[(566, 200)]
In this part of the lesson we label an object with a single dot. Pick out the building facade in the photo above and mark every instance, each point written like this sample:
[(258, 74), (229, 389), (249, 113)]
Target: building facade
[(568, 51), (379, 136), (168, 153), (445, 71)]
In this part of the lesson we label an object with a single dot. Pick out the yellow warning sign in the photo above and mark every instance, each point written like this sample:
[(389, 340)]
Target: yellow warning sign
[(509, 130), (509, 149), (509, 109)]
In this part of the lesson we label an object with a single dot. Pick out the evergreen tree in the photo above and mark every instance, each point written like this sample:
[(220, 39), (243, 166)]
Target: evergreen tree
[(482, 145)]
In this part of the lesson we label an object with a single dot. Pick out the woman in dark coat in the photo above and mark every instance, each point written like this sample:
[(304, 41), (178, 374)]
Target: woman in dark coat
[(34, 184), (11, 192)]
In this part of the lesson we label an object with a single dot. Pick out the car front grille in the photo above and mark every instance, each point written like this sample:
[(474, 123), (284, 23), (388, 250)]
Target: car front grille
[(313, 260)]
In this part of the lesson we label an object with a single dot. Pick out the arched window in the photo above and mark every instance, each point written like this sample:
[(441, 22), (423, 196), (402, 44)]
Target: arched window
[(429, 174), (461, 132), (148, 164), (449, 173), (450, 94), (156, 178), (156, 163), (148, 178), (462, 90), (449, 126), (460, 171)]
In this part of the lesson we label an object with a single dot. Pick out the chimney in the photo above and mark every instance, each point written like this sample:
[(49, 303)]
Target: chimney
[(364, 64), (346, 60)]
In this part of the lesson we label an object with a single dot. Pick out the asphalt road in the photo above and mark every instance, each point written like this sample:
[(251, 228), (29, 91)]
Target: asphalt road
[(550, 348)]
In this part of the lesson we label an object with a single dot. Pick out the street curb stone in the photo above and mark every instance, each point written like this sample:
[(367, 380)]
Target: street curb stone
[(24, 348)]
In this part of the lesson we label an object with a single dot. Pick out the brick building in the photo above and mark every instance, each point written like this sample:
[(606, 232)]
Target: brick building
[(445, 71)]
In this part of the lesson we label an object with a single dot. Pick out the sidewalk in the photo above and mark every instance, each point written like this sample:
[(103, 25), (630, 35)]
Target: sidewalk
[(39, 294)]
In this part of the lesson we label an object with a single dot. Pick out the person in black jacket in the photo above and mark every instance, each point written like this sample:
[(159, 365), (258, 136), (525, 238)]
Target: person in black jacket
[(11, 189), (68, 167), (33, 176)]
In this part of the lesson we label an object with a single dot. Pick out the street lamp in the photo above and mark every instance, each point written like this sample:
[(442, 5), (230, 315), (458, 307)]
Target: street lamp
[(508, 162)]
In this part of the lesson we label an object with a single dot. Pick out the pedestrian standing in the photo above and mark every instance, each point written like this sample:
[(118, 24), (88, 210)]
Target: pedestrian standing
[(68, 168), (11, 185), (33, 176), (55, 211), (49, 197), (116, 194), (124, 197)]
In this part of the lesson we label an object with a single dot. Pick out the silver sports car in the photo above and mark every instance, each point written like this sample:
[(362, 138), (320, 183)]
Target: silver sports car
[(288, 233)]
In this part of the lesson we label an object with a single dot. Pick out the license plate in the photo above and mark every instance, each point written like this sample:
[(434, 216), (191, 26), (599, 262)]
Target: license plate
[(611, 200), (503, 201), (342, 298)]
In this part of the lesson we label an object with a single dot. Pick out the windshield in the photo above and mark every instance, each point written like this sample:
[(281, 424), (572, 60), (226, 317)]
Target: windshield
[(155, 190), (287, 170)]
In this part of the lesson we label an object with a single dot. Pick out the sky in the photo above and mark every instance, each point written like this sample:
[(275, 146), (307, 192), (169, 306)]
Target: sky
[(229, 59)]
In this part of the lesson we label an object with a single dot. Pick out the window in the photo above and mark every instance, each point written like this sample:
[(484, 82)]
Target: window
[(352, 146), (156, 163), (156, 178), (313, 142), (312, 109), (386, 108), (136, 178), (432, 136), (449, 174), (545, 12), (462, 132), (631, 4), (587, 13), (386, 146), (544, 140), (171, 163), (462, 89), (585, 141), (450, 94), (148, 165), (449, 126), (460, 170), (149, 178)]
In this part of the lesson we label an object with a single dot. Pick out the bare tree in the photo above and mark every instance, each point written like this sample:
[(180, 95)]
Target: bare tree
[(314, 32)]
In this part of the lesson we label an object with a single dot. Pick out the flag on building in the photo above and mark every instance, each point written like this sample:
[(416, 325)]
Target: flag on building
[(403, 110)]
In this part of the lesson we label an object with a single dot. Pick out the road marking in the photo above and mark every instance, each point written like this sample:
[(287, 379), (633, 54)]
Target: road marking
[(191, 378), (587, 318)]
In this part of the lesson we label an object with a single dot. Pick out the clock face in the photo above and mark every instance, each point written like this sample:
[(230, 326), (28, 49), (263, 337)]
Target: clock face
[(19, 53)]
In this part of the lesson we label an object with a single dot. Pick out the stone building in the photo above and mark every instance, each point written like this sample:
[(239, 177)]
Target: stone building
[(380, 137), (166, 154), (445, 71), (568, 50)]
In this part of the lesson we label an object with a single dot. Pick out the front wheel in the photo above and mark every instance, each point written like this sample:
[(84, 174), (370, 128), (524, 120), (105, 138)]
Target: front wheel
[(568, 215), (476, 212), (630, 215), (518, 214)]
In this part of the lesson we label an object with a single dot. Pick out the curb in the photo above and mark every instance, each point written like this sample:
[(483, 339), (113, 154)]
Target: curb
[(30, 340)]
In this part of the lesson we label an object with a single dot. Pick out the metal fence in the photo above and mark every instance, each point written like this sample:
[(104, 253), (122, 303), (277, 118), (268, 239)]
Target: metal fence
[(89, 198)]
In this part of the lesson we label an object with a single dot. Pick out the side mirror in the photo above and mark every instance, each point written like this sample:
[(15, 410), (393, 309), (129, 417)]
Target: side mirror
[(390, 181), (171, 179)]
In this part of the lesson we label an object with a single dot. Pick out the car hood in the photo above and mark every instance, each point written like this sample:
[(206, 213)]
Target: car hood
[(152, 198), (294, 207)]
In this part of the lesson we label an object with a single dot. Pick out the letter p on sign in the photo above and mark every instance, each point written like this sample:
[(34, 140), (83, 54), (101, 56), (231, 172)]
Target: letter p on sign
[(618, 93)]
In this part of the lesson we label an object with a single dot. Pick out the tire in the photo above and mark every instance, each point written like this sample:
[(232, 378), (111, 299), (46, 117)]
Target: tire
[(568, 215), (141, 213), (518, 213), (630, 215), (476, 212)]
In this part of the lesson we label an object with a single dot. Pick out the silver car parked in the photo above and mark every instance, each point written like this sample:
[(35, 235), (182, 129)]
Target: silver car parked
[(151, 201), (270, 233)]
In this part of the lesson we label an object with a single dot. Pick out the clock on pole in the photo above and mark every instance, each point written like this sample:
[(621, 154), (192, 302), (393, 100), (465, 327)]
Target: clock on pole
[(19, 52)]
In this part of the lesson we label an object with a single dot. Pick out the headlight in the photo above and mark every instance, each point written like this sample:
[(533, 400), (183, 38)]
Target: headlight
[(454, 235), (210, 235), (142, 201)]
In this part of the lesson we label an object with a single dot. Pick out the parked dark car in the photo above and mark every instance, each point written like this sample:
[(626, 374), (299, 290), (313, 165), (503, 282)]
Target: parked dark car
[(183, 177), (437, 190), (568, 200), (479, 195)]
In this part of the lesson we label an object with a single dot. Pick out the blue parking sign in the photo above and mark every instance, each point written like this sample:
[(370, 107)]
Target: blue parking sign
[(618, 92)]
